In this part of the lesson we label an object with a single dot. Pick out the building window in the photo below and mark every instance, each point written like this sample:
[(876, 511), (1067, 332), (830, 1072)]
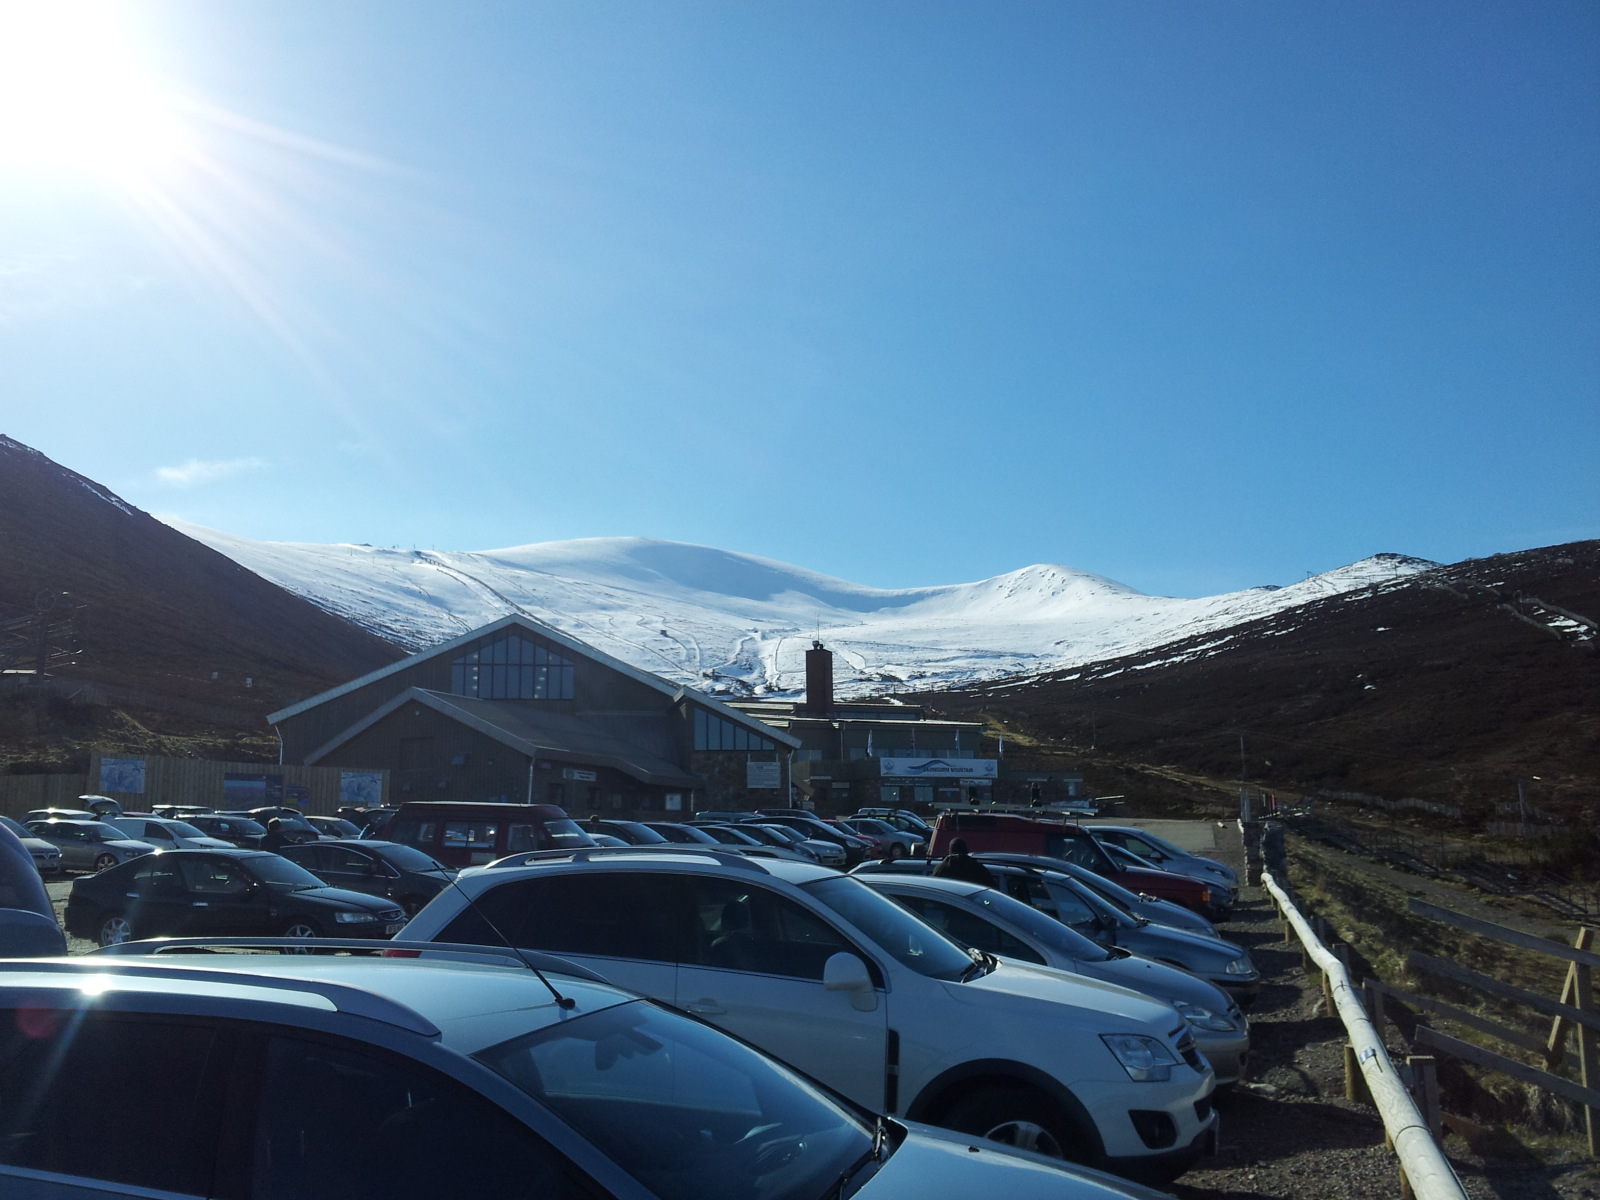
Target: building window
[(511, 667), (711, 732)]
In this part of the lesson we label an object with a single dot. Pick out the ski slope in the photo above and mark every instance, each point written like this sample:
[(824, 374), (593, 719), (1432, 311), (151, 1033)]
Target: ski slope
[(736, 623)]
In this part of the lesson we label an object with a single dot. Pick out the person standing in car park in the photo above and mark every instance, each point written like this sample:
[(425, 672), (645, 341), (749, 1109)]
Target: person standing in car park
[(959, 864), (274, 839)]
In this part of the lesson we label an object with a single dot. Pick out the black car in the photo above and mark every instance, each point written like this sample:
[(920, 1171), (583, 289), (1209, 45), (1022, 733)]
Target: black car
[(334, 827), (403, 874), (635, 833), (295, 827), (220, 893), (244, 832)]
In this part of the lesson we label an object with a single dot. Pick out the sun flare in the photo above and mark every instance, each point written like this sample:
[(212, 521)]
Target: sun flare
[(73, 94)]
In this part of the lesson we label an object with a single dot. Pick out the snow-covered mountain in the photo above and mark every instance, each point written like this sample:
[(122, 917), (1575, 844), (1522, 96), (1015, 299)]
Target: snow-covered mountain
[(738, 623)]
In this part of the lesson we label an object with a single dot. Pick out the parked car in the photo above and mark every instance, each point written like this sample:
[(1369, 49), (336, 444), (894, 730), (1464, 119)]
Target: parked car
[(166, 834), (88, 845), (1166, 855), (805, 963), (46, 855), (294, 827), (1061, 839), (181, 812), (985, 918), (244, 832), (334, 827), (399, 873), (100, 806), (829, 854), (678, 834), (1222, 963), (59, 814), (635, 833), (461, 834), (376, 1079), (1222, 896), (856, 849), (1151, 908), (900, 818), (745, 840), (28, 927), (218, 893), (890, 841)]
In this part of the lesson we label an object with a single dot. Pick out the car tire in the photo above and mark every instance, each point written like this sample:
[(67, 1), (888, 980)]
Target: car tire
[(104, 862), (114, 930), (300, 928), (896, 850), (1019, 1117)]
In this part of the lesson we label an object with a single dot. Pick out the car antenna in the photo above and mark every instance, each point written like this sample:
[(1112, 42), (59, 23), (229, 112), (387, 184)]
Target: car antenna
[(562, 1002)]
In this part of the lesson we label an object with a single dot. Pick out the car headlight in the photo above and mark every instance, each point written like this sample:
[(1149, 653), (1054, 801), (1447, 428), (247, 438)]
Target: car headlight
[(351, 918), (1204, 1018), (1145, 1059), (1240, 966)]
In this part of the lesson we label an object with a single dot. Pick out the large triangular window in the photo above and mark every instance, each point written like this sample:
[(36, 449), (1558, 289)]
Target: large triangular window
[(509, 666)]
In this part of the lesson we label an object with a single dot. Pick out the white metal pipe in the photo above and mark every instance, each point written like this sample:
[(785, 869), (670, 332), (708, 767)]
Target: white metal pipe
[(1426, 1169)]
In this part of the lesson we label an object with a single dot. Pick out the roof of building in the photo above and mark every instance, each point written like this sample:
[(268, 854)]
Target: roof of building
[(551, 634), (540, 733)]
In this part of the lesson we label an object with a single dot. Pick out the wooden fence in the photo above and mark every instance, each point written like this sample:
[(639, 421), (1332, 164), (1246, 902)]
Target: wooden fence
[(1573, 1014)]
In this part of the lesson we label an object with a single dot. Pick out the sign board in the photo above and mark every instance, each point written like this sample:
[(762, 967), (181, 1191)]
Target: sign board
[(122, 775), (940, 768), (360, 789), (580, 776), (763, 775)]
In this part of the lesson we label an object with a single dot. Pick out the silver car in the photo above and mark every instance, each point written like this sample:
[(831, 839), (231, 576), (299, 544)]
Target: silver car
[(46, 856), (88, 845), (167, 834), (984, 918)]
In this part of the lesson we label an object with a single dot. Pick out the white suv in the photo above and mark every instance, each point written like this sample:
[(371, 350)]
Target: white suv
[(819, 970)]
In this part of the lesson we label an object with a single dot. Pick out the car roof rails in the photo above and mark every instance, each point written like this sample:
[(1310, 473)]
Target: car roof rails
[(726, 856), (343, 997), (359, 947)]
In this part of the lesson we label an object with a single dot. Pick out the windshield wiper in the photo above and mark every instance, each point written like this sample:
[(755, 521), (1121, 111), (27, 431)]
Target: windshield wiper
[(982, 963), (876, 1153)]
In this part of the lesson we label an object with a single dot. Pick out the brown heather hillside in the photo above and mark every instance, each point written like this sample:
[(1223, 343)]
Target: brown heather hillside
[(1450, 686), (155, 614)]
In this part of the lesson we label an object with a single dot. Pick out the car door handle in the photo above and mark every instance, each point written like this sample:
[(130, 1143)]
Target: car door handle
[(706, 1007)]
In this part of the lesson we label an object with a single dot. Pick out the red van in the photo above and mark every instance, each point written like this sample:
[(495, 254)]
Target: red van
[(466, 835), (1006, 833)]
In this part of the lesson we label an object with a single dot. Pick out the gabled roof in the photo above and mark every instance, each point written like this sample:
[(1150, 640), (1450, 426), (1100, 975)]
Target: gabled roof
[(675, 691), (535, 732)]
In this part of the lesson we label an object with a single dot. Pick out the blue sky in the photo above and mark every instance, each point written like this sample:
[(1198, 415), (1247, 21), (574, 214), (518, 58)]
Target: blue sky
[(1195, 295)]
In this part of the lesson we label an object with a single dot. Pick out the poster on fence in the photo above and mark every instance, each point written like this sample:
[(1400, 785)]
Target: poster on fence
[(122, 775), (360, 789)]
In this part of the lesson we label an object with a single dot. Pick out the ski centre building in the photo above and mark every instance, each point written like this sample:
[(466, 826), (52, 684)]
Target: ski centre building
[(519, 712), (859, 753)]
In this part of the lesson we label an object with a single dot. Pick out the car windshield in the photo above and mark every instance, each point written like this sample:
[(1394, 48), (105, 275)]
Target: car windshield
[(337, 825), (278, 872), (1042, 928), (911, 941), (1083, 894), (408, 858), (245, 826), (14, 827), (184, 829), (1078, 849), (727, 835), (686, 1110)]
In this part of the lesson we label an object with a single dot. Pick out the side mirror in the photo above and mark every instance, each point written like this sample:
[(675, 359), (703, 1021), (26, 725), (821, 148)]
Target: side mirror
[(846, 973)]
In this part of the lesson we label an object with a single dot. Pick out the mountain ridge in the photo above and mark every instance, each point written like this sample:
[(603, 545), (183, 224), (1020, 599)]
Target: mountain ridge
[(739, 623)]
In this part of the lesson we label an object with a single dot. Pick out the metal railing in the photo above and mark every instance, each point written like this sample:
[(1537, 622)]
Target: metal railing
[(1424, 1171)]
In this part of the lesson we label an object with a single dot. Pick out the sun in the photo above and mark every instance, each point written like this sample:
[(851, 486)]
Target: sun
[(73, 94)]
